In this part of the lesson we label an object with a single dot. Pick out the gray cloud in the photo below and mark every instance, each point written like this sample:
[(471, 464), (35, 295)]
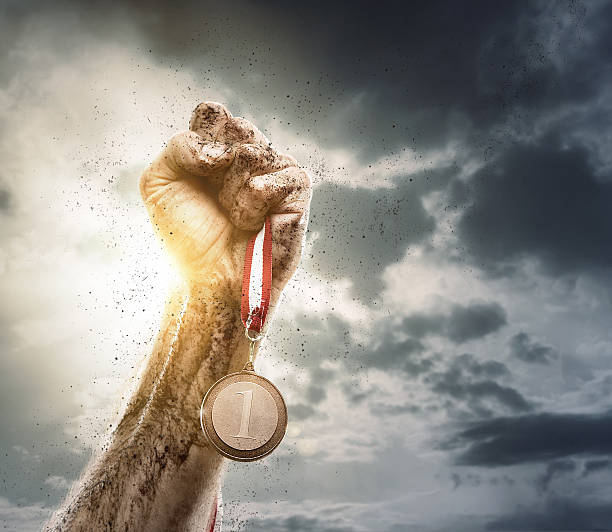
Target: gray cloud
[(5, 199), (362, 231), (524, 349), (558, 515), (593, 466), (300, 411), (534, 438), (355, 392), (474, 321), (553, 470), (403, 355), (315, 394), (488, 368), (463, 323), (381, 409), (455, 384), (482, 62), (296, 523), (541, 201), (314, 339)]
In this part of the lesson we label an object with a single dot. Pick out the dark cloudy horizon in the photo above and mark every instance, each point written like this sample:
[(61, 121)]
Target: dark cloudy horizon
[(445, 346)]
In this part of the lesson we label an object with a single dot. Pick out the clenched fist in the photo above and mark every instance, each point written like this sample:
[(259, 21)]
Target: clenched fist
[(211, 189)]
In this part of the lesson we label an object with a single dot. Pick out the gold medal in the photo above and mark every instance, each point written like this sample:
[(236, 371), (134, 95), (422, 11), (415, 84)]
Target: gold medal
[(243, 415)]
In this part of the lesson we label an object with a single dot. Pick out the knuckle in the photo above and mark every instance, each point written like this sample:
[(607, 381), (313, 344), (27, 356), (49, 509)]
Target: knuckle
[(252, 158), (184, 146), (302, 179), (257, 185), (241, 130)]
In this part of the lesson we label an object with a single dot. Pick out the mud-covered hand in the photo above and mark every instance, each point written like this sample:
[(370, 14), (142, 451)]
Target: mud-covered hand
[(207, 192), (211, 188)]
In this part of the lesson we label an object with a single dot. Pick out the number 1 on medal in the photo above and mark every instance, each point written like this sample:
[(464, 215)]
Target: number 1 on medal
[(247, 400)]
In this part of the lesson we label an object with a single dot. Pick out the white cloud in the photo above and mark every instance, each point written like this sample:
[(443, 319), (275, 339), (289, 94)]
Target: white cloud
[(22, 518), (340, 165), (58, 482)]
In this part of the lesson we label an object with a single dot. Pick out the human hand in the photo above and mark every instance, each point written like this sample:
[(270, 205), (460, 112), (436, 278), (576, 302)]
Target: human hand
[(212, 187)]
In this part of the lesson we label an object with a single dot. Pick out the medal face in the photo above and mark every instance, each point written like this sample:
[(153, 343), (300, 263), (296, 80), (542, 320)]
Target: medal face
[(244, 416)]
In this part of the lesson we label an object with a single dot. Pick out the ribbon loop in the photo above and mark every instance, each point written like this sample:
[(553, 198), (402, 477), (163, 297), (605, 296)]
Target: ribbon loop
[(257, 280)]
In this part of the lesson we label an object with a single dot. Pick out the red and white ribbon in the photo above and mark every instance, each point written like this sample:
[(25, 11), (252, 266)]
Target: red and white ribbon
[(215, 522), (257, 279)]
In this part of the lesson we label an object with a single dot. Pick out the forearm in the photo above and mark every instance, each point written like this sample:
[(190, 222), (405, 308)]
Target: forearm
[(158, 473)]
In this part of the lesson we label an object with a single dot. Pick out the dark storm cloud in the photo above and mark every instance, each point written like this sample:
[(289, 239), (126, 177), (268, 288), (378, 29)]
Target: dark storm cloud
[(460, 324), (540, 201), (5, 199), (474, 321), (468, 479), (558, 515), (475, 393), (296, 523), (373, 80), (534, 438), (488, 368), (524, 349), (553, 470), (468, 365), (403, 355), (465, 380), (593, 466), (463, 323), (417, 72)]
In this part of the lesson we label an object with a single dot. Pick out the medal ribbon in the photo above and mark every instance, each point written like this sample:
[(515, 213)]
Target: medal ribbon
[(257, 279)]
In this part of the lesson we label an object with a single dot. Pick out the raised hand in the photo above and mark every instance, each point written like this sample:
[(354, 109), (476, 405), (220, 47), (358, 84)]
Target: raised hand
[(213, 186), (207, 192)]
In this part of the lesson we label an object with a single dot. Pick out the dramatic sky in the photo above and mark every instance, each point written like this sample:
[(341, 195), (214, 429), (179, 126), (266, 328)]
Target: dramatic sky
[(445, 347)]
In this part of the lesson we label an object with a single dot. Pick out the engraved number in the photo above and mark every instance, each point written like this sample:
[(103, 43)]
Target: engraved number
[(247, 400)]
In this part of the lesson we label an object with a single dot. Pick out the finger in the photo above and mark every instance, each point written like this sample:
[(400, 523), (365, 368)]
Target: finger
[(187, 154), (192, 155), (238, 130), (285, 197), (254, 152), (250, 160), (213, 122), (288, 234), (286, 191), (208, 119)]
